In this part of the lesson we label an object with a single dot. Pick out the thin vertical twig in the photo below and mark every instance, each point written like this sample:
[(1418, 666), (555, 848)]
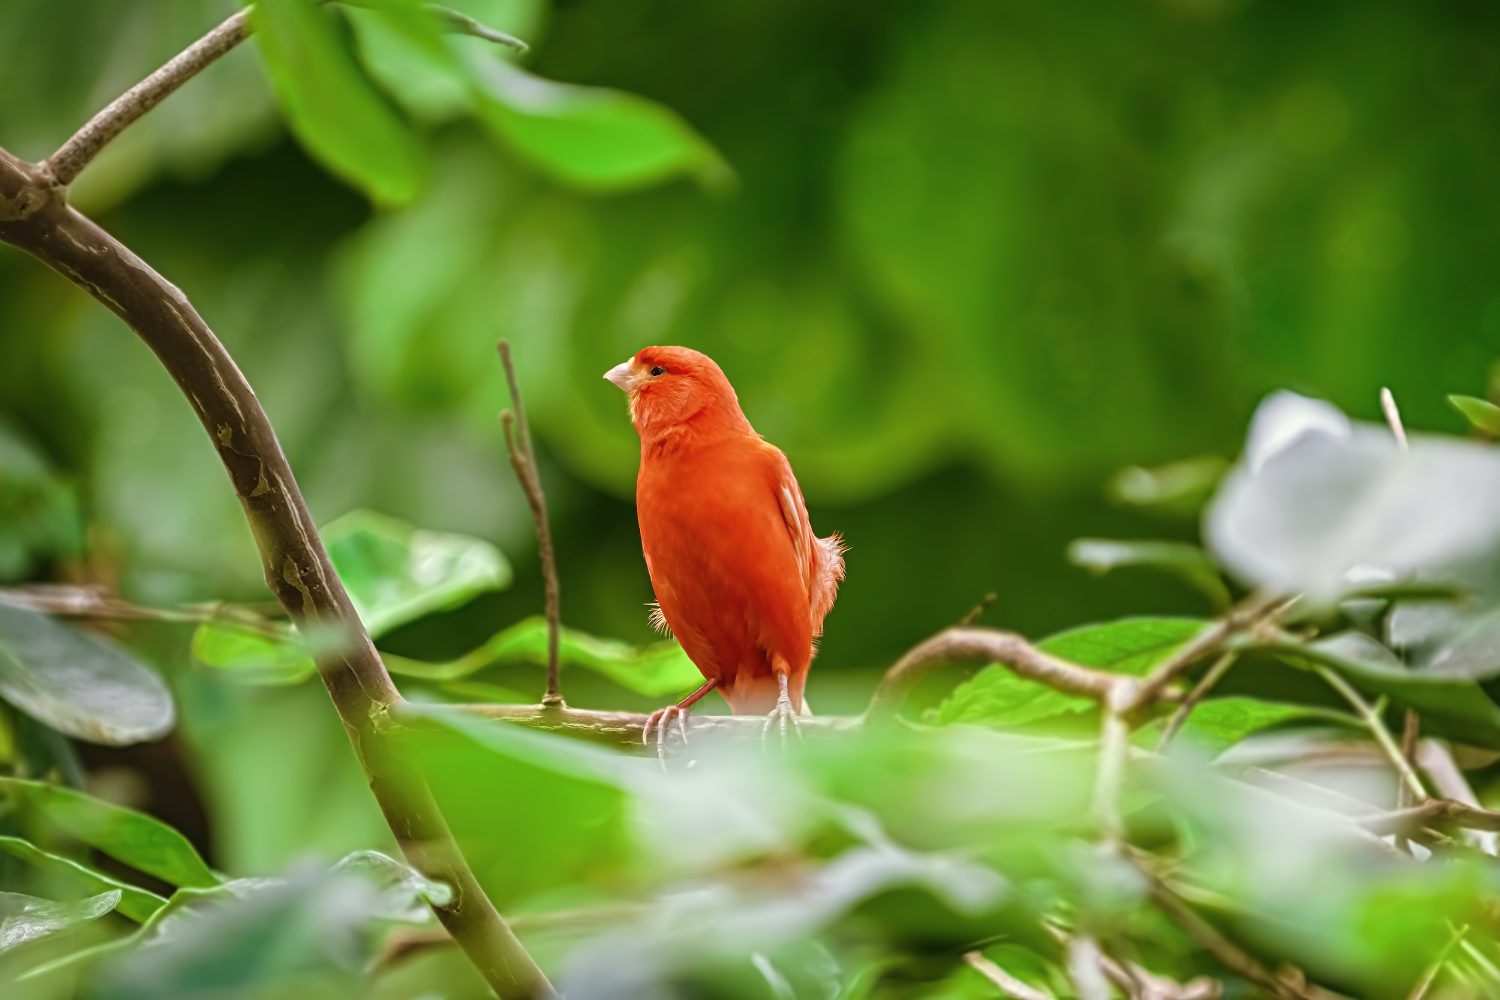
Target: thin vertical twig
[(523, 460), (1200, 691), (1378, 730), (1411, 722)]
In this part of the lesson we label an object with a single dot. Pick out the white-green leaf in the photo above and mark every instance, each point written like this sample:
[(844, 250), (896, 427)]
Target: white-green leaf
[(1301, 514), (1481, 413), (77, 684), (27, 918)]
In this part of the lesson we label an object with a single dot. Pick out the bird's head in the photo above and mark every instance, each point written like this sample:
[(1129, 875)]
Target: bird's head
[(672, 387)]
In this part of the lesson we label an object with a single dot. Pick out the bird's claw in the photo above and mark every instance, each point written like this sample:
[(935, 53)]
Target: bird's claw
[(662, 721), (782, 718)]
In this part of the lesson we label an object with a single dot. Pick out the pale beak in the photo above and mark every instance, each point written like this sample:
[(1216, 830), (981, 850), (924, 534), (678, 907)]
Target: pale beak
[(621, 375)]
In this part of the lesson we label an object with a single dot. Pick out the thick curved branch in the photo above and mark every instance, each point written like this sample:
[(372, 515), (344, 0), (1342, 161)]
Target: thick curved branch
[(963, 644), (297, 568)]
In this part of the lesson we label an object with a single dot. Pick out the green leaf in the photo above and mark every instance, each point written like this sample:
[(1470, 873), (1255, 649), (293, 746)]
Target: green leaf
[(1103, 555), (590, 136), (1452, 706), (26, 918), (135, 903), (996, 697), (77, 684), (253, 655), (332, 108), (1182, 486), (133, 838), (39, 514), (1481, 413), (577, 832), (1219, 723), (397, 573), (655, 670)]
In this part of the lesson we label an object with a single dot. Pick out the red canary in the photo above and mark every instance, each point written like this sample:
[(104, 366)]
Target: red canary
[(740, 578)]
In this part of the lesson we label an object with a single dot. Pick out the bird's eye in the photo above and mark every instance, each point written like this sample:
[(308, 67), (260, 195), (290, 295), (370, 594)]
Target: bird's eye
[(657, 370)]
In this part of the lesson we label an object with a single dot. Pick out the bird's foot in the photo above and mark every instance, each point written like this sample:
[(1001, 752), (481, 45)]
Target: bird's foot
[(664, 721), (782, 718)]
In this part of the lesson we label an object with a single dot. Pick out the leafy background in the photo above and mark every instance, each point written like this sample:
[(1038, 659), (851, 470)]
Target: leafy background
[(963, 261)]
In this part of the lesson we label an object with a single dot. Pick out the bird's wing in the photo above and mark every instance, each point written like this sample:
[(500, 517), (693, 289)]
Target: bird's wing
[(820, 561)]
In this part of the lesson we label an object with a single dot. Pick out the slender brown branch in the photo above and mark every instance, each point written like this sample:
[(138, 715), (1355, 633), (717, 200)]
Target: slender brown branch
[(1436, 761), (1008, 985), (978, 610), (64, 166), (1200, 691), (1377, 729), (523, 460), (67, 601), (963, 645), (296, 564), (1252, 611)]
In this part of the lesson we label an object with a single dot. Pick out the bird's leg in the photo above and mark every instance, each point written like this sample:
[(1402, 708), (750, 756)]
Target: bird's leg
[(783, 715), (662, 719)]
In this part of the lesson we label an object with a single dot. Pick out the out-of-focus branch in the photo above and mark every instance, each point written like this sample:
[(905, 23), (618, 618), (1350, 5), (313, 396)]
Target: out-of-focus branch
[(1252, 611), (1200, 691), (1377, 729), (63, 166), (35, 218), (1433, 812), (523, 460), (68, 601), (1008, 985)]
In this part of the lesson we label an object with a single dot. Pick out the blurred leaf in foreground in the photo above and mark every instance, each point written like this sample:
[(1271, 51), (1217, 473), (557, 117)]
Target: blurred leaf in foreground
[(66, 873), (26, 918), (77, 684), (1481, 414)]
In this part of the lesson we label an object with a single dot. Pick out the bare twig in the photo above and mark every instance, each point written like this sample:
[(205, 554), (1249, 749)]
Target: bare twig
[(1411, 723), (1378, 730), (64, 166), (1229, 954), (1007, 984), (977, 611), (67, 601), (35, 218), (523, 460), (1200, 691), (1089, 982), (1114, 748), (1436, 760), (623, 730), (962, 644)]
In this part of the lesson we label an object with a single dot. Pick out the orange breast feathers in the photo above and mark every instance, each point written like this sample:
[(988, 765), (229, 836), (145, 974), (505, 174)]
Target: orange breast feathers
[(740, 578)]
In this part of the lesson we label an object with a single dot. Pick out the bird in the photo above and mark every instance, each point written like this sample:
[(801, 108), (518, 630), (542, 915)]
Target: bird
[(741, 581)]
